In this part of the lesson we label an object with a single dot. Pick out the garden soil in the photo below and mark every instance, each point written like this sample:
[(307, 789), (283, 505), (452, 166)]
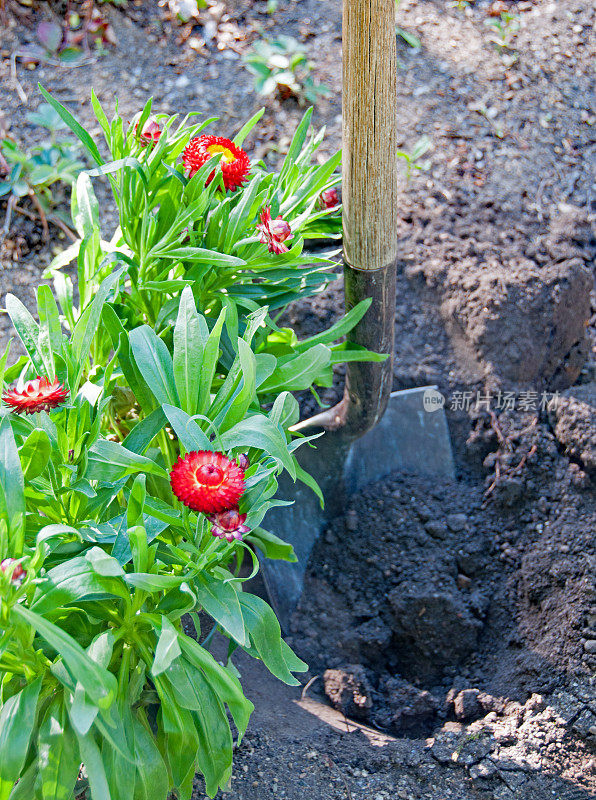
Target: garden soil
[(450, 628)]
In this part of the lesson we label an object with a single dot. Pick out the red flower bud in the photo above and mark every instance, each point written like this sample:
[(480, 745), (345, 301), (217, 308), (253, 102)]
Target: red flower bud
[(229, 524), (329, 199), (274, 232), (18, 573), (150, 133)]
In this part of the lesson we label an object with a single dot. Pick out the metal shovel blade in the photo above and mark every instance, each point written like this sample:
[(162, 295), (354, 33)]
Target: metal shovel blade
[(411, 436)]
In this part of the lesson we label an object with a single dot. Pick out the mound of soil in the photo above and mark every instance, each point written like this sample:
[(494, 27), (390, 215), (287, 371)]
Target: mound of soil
[(446, 613)]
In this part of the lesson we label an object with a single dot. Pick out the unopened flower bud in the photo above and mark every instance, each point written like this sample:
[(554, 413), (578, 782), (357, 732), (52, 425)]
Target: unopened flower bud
[(150, 133), (243, 461), (229, 524), (18, 573), (329, 198), (274, 232)]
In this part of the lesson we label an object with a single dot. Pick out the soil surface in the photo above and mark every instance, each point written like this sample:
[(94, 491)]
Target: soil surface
[(450, 628)]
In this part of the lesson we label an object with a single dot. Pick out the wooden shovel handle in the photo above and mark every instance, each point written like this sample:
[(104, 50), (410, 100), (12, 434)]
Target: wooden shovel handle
[(369, 183)]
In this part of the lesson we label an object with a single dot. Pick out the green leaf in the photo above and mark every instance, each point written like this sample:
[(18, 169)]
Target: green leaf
[(186, 429), (182, 741), (25, 788), (50, 334), (103, 564), (198, 255), (238, 405), (239, 217), (136, 502), (265, 636), (295, 146), (75, 127), (110, 461), (58, 755), (294, 373), (220, 601), (210, 358), (3, 361), (247, 127), (141, 436), (28, 331), (271, 545), (74, 581), (260, 432), (308, 480), (12, 487), (214, 753), (91, 757), (221, 679), (153, 583), (88, 322), (167, 649), (342, 327), (17, 718), (190, 336), (155, 364), (35, 453), (152, 774), (119, 337), (99, 684)]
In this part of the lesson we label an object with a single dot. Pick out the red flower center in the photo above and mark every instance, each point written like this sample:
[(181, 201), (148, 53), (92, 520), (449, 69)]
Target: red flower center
[(234, 163), (210, 475)]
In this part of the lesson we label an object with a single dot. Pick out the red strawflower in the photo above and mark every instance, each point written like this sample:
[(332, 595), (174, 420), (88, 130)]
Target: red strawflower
[(150, 133), (229, 524), (18, 573), (274, 232), (40, 394), (234, 163), (206, 481), (329, 198)]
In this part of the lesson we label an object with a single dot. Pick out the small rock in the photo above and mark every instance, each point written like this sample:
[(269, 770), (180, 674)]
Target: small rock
[(484, 769), (585, 723), (463, 582), (473, 749), (590, 646), (349, 691), (182, 82), (456, 522), (436, 528), (413, 709), (444, 746), (467, 706)]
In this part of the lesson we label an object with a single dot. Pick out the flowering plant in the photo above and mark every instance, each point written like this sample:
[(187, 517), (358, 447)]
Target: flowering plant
[(141, 440), (110, 531), (190, 206)]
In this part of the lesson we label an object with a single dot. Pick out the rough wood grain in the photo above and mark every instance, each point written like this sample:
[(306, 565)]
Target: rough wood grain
[(369, 185)]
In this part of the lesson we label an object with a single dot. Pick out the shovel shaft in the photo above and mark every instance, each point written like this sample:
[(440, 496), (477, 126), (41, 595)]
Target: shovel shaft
[(368, 383), (369, 169), (369, 198)]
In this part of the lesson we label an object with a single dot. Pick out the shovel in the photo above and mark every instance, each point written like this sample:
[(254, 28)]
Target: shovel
[(372, 431)]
